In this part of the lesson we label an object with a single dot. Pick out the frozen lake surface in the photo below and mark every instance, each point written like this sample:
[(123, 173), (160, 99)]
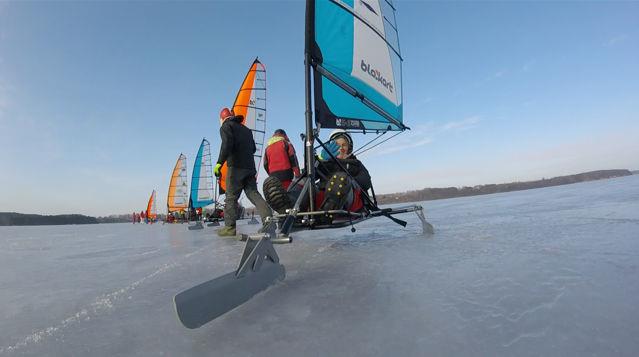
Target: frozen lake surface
[(544, 272)]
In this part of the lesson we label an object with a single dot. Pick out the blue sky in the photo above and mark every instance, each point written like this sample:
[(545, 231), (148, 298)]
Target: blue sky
[(97, 99)]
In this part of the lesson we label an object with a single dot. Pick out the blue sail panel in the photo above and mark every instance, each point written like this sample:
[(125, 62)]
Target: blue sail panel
[(357, 65), (202, 178)]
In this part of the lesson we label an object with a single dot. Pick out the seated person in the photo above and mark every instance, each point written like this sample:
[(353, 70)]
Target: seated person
[(335, 190)]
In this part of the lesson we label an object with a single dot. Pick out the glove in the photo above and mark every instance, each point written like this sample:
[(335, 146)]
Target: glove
[(216, 170), (332, 148)]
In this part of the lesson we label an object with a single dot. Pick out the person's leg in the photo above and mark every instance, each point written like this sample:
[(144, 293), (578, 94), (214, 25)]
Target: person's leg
[(276, 195), (233, 190), (250, 188), (338, 193)]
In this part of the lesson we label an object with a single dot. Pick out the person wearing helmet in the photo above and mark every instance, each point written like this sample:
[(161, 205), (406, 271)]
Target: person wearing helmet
[(338, 189), (237, 150)]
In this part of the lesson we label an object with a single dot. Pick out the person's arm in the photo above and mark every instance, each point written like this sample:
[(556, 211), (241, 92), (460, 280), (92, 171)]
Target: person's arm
[(362, 176), (292, 158), (226, 134), (266, 161)]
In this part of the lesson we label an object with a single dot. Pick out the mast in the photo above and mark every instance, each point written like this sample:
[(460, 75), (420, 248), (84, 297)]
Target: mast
[(310, 138)]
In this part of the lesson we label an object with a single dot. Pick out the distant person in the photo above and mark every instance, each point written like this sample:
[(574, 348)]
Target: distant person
[(280, 160), (237, 150)]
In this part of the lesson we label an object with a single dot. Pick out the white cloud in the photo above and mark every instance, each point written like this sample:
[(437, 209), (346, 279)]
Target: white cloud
[(422, 135), (528, 65), (461, 125), (614, 150), (395, 148), (613, 41), (416, 137)]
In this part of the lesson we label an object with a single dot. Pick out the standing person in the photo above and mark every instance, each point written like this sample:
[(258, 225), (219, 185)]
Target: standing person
[(280, 160), (237, 150)]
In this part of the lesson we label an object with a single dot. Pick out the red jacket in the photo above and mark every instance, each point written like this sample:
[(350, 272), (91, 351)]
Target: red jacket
[(280, 159)]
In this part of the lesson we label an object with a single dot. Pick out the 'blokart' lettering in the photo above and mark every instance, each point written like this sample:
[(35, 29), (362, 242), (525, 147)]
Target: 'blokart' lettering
[(377, 75)]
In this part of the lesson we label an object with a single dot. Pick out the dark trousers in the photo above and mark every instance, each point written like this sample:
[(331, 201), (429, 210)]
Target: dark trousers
[(238, 179)]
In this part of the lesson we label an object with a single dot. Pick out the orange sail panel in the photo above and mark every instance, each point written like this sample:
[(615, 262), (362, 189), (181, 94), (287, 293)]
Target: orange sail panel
[(250, 103), (178, 198), (151, 209)]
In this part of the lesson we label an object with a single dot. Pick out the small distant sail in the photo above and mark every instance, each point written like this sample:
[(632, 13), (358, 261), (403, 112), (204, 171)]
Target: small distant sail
[(202, 178), (250, 103), (358, 66), (151, 207), (178, 198)]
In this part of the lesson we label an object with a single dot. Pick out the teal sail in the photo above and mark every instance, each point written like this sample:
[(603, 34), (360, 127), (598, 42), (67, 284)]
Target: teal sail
[(357, 64), (202, 178)]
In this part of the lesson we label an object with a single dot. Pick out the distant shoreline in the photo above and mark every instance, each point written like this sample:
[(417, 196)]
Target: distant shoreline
[(429, 194), (426, 194), (21, 219)]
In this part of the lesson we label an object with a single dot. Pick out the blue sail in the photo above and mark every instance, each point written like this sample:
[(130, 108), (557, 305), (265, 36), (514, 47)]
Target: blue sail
[(357, 65), (202, 178)]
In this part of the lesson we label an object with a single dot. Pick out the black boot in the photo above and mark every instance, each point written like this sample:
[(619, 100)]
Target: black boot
[(337, 191), (275, 195)]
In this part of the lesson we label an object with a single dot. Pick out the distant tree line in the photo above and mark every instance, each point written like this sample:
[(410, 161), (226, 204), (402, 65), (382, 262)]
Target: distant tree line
[(19, 219), (116, 218), (427, 194)]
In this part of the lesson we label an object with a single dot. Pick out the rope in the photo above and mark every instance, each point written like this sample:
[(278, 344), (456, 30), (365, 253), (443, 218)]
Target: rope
[(381, 142)]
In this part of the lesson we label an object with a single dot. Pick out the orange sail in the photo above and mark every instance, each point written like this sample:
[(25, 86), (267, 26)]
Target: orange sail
[(250, 103), (178, 198), (151, 208)]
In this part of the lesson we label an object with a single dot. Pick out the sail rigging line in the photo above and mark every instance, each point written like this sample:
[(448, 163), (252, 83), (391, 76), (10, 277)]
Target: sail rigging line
[(368, 143), (381, 142)]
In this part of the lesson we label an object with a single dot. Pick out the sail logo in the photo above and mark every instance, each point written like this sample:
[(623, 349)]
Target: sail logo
[(377, 75)]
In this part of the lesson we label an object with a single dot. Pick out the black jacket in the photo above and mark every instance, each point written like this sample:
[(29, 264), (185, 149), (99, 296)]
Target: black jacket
[(354, 167), (238, 146)]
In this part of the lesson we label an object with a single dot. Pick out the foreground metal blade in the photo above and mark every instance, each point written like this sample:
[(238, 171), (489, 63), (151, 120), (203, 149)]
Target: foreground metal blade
[(427, 228)]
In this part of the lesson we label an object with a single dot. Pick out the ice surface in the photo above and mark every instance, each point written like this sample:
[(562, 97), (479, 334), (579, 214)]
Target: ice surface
[(550, 272)]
